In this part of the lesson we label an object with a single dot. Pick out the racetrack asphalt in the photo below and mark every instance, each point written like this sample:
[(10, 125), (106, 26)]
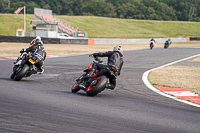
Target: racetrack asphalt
[(44, 103)]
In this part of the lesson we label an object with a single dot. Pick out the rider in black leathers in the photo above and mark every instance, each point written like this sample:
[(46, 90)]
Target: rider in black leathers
[(38, 51), (114, 63)]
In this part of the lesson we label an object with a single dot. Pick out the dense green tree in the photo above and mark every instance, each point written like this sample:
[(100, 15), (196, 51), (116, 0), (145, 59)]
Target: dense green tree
[(182, 10)]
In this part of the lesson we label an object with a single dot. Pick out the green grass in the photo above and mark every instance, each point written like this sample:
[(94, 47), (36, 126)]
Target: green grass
[(102, 27), (9, 23), (131, 28)]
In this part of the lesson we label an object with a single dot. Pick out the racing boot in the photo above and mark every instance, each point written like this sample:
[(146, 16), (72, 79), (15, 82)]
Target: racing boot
[(40, 70), (110, 86)]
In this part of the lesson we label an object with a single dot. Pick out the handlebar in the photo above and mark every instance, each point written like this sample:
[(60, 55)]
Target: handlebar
[(95, 58)]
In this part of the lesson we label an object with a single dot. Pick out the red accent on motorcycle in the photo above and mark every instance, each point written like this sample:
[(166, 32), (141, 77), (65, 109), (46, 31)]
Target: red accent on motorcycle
[(75, 85), (114, 69), (89, 67), (34, 58), (94, 75), (90, 87), (99, 79)]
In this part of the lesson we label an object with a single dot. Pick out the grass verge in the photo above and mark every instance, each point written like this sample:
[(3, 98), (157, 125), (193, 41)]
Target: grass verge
[(104, 27), (177, 76)]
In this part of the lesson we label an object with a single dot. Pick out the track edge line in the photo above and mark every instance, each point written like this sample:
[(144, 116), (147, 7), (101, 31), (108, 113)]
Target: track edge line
[(151, 87)]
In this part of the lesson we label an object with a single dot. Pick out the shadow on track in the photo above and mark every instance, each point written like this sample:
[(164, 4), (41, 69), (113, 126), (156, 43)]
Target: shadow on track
[(23, 80), (101, 95), (7, 79)]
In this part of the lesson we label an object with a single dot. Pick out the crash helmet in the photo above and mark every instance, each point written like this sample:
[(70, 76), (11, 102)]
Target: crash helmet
[(38, 38), (152, 39), (118, 49)]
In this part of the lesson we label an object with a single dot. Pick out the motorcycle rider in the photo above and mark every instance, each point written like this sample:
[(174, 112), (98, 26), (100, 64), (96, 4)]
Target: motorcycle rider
[(114, 63), (33, 41), (167, 43), (37, 50), (153, 42), (170, 41), (152, 39)]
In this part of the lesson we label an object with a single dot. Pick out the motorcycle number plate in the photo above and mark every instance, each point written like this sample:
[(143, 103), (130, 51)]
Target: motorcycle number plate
[(31, 61)]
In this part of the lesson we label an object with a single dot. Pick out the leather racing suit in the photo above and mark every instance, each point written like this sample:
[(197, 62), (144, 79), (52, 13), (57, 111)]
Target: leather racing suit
[(38, 51), (114, 63)]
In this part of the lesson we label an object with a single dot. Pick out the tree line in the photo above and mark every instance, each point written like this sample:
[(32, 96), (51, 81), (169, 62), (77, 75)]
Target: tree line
[(175, 10)]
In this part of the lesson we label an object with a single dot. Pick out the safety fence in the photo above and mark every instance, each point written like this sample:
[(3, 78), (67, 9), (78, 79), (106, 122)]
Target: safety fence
[(82, 41), (92, 41)]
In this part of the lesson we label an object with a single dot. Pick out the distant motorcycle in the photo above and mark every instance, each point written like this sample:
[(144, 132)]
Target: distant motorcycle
[(152, 43), (96, 83), (167, 43), (24, 66)]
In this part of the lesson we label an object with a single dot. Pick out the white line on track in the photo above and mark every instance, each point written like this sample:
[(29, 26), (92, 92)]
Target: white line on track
[(147, 83)]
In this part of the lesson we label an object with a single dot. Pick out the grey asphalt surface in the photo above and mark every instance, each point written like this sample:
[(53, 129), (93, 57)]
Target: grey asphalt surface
[(44, 103)]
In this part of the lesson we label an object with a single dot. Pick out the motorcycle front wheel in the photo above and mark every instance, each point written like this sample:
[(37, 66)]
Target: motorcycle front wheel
[(166, 46), (22, 73), (75, 88), (12, 76)]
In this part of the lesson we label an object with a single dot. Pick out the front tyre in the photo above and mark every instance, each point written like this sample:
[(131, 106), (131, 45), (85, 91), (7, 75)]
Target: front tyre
[(166, 46), (12, 76), (100, 86), (75, 88), (22, 73)]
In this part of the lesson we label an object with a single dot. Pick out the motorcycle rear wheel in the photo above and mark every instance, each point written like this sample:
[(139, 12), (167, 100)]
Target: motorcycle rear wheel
[(22, 73), (100, 86)]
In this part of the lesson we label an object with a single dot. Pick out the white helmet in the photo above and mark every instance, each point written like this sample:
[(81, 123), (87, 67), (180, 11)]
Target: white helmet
[(118, 49), (38, 37)]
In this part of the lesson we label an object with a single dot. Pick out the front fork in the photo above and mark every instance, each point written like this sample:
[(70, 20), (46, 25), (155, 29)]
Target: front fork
[(34, 69), (90, 81)]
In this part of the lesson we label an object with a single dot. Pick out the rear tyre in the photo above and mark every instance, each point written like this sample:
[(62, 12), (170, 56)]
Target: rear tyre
[(75, 88), (22, 73), (100, 86)]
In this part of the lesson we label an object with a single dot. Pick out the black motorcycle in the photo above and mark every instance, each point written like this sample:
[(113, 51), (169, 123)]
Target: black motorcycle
[(24, 66), (151, 44), (97, 83), (167, 43)]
